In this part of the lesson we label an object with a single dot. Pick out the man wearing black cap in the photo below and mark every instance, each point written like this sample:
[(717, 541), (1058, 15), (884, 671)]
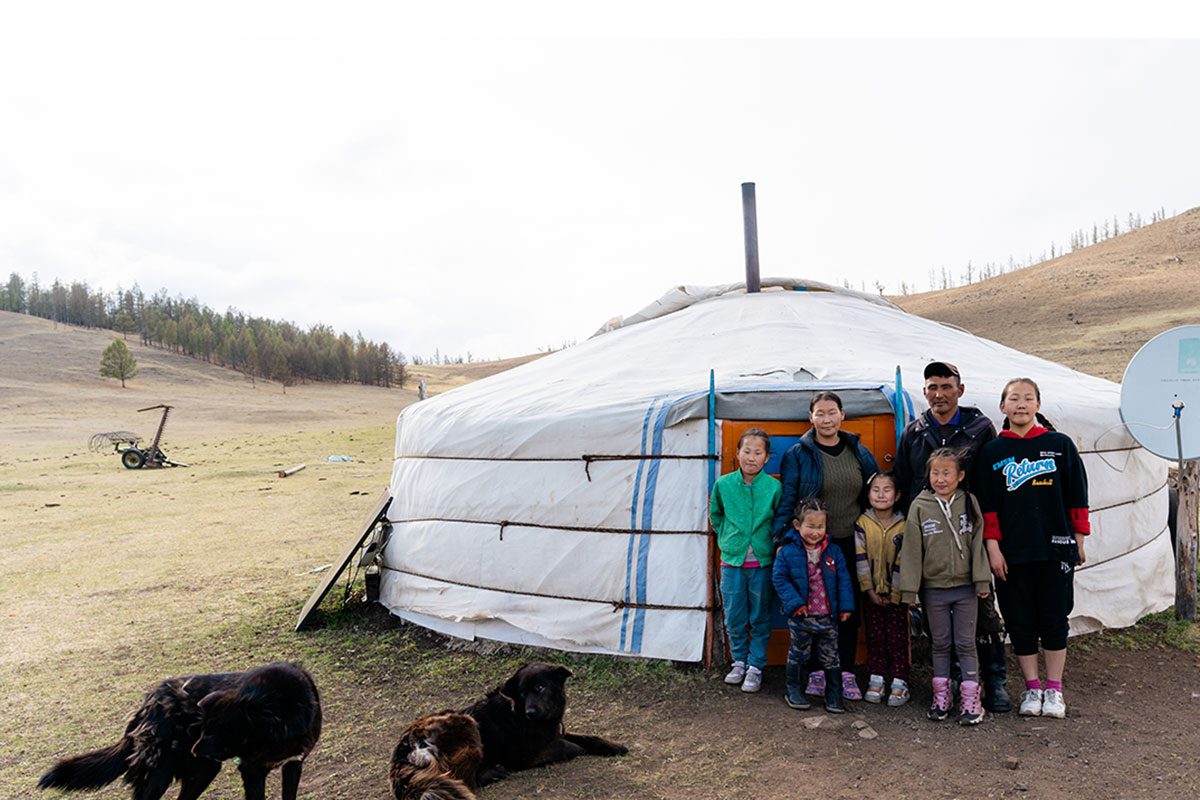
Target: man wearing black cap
[(945, 424), (966, 428)]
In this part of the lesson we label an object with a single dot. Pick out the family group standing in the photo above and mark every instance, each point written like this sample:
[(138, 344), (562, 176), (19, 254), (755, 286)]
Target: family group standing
[(835, 543)]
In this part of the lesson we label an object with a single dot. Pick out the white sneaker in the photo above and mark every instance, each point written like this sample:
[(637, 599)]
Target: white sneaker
[(737, 674), (1031, 703), (753, 680), (1053, 704)]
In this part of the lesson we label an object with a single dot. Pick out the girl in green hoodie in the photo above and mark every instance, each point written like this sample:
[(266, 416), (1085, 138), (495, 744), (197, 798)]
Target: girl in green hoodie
[(741, 511)]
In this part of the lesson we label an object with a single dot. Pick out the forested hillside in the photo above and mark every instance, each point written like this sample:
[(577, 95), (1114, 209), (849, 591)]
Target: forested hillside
[(256, 346)]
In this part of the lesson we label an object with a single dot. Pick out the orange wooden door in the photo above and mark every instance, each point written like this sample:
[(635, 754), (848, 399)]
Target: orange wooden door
[(877, 433)]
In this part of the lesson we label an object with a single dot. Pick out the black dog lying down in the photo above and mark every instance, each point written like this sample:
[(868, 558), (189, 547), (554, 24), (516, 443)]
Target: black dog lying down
[(266, 717), (521, 724)]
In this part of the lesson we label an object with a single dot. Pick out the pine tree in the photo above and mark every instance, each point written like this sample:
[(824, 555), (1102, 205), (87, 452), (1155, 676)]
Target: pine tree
[(118, 362), (124, 323)]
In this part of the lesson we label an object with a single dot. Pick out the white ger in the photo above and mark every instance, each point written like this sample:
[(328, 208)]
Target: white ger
[(564, 503)]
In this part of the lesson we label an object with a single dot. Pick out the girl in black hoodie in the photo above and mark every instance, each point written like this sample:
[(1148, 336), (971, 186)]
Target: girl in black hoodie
[(1032, 490)]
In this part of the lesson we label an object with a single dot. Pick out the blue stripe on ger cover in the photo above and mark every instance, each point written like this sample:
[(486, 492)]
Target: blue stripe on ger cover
[(660, 423), (639, 617), (633, 521)]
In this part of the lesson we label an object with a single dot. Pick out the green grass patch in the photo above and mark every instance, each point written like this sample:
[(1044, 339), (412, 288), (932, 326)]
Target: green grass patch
[(375, 640), (1154, 631)]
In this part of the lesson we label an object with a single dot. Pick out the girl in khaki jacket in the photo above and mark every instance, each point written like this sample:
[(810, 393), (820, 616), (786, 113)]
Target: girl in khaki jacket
[(943, 563), (877, 537)]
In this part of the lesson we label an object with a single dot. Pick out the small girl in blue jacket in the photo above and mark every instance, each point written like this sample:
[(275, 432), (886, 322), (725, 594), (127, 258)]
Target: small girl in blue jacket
[(816, 591)]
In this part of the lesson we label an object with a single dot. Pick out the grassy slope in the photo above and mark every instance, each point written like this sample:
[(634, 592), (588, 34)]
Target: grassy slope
[(1091, 309)]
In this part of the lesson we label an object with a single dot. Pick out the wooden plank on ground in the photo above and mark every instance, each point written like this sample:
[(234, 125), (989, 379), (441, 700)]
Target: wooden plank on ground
[(378, 510)]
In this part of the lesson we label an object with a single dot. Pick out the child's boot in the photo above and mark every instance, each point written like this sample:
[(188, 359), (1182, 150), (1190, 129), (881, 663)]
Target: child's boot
[(833, 692), (970, 706), (900, 694), (875, 689), (940, 708), (994, 671), (796, 676)]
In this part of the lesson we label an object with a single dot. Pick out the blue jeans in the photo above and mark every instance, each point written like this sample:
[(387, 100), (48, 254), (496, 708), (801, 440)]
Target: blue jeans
[(747, 595)]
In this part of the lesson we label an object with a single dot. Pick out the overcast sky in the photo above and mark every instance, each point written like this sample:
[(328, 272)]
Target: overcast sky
[(497, 196)]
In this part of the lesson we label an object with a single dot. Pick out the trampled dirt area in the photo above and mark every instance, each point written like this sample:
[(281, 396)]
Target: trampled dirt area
[(112, 579)]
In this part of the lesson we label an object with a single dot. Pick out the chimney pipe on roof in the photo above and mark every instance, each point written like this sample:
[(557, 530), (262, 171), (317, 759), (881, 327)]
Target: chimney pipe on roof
[(750, 224)]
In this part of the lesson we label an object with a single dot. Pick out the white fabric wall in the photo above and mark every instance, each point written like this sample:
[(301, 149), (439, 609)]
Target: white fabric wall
[(539, 579)]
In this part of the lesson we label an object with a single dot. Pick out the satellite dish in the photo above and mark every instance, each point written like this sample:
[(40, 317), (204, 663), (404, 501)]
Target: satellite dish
[(1166, 371)]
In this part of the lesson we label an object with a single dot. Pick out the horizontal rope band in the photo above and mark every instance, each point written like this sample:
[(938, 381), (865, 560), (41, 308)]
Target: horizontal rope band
[(511, 524), (1129, 502), (587, 459), (617, 605), (1113, 450), (1127, 552)]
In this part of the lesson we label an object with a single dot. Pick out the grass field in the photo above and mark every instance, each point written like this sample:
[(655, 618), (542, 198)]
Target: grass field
[(111, 580)]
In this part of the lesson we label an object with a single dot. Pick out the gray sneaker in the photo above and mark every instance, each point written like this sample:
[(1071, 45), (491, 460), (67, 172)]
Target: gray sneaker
[(736, 674), (753, 680)]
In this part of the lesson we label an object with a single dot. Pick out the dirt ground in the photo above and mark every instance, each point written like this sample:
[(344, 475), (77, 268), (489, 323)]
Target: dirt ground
[(112, 579)]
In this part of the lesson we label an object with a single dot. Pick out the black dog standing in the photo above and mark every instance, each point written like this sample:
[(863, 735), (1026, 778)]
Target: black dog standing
[(266, 717), (521, 724)]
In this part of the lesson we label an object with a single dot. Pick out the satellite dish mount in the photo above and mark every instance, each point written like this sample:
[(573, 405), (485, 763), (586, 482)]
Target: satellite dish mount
[(1164, 374)]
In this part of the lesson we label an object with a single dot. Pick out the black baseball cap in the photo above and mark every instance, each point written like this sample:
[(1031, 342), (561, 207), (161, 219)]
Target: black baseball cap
[(941, 369)]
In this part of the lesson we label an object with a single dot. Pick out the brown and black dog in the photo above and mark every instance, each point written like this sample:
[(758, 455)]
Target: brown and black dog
[(437, 758), (521, 724), (267, 717)]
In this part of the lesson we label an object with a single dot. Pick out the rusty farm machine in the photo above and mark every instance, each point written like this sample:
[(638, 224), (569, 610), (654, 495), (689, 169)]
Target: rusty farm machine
[(133, 456)]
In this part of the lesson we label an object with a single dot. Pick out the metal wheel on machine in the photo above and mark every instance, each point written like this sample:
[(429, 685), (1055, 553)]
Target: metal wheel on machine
[(133, 458)]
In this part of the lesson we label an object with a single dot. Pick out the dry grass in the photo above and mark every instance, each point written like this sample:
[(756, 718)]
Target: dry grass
[(112, 579), (1091, 309)]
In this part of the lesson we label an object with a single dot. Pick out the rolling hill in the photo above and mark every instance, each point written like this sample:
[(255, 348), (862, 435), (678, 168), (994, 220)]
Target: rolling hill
[(1090, 309)]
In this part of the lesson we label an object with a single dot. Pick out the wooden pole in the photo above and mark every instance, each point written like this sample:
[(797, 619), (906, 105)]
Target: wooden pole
[(1185, 541), (710, 621), (283, 473)]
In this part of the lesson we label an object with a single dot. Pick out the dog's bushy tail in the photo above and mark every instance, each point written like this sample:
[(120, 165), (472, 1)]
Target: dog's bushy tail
[(90, 770), (430, 783)]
